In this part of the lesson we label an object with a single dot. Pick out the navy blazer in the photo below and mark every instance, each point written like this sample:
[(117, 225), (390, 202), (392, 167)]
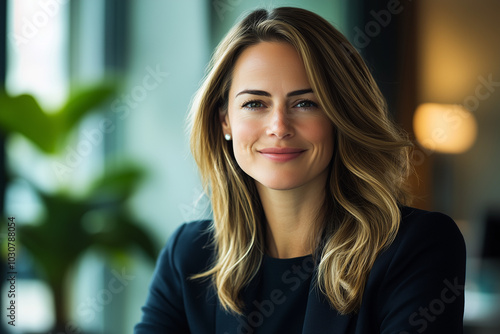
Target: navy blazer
[(415, 286)]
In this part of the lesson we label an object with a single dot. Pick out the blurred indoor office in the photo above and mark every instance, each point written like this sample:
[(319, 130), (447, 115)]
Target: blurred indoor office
[(96, 194)]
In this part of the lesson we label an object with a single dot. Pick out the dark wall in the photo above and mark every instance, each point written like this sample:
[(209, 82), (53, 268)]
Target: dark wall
[(385, 33)]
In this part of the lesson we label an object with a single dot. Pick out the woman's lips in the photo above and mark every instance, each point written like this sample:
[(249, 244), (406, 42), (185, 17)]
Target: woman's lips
[(281, 154)]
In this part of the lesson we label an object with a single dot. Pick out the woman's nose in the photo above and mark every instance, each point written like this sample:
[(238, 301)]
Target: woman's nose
[(280, 123)]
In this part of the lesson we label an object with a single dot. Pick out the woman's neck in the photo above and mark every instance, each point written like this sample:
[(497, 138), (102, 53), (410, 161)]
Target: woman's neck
[(292, 218)]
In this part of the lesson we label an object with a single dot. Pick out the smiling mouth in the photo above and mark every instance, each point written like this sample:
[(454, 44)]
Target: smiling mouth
[(281, 154)]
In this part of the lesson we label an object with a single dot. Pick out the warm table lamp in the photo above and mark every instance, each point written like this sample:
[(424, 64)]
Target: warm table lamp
[(444, 128)]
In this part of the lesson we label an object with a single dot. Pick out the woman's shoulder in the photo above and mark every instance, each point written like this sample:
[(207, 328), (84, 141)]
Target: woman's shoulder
[(426, 234), (425, 262), (194, 232), (190, 246), (417, 223)]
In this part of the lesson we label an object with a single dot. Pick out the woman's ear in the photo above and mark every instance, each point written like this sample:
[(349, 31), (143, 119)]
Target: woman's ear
[(224, 119)]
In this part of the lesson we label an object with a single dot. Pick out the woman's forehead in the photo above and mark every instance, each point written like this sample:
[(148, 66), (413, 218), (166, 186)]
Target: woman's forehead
[(269, 66)]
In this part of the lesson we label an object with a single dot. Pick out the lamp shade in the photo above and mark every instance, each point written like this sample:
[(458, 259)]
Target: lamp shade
[(444, 128)]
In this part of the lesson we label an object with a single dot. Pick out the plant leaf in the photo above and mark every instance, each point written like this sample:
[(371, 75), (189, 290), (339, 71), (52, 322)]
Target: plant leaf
[(124, 234), (119, 184), (23, 114), (83, 103)]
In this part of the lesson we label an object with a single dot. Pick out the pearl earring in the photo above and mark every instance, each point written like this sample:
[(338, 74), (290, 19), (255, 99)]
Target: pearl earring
[(227, 136)]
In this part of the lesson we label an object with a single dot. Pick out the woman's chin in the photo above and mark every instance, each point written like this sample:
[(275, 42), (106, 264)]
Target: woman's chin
[(279, 184)]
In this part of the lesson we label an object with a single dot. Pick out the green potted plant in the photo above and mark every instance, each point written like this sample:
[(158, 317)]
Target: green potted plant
[(73, 223)]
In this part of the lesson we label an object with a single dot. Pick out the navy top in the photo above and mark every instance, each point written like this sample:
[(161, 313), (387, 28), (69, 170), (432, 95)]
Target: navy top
[(416, 285), (281, 296)]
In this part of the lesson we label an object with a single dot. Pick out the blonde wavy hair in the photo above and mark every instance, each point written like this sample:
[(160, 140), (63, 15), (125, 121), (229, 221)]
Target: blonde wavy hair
[(361, 213)]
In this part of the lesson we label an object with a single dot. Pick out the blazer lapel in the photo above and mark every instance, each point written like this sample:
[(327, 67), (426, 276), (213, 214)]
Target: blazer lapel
[(320, 317), (228, 323), (225, 322)]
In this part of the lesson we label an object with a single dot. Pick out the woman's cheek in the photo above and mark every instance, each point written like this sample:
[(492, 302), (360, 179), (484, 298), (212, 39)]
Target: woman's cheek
[(245, 136)]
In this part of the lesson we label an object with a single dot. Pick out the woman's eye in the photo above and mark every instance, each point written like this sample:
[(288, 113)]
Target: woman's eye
[(253, 105), (306, 104)]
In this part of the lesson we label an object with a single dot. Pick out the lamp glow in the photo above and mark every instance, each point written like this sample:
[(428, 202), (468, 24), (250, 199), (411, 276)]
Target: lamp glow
[(444, 128)]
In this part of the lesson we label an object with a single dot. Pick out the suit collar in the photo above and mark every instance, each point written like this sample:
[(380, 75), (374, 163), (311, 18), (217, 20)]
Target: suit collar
[(320, 317)]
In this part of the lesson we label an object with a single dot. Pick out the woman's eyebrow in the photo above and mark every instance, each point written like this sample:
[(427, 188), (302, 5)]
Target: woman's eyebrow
[(300, 92), (264, 93), (254, 92)]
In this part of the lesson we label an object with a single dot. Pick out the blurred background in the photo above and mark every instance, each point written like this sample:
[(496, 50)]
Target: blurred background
[(95, 168)]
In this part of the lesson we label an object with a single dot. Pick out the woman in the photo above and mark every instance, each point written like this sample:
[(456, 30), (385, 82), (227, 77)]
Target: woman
[(306, 174)]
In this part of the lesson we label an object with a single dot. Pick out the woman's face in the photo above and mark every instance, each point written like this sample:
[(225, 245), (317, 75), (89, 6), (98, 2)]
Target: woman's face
[(281, 137)]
